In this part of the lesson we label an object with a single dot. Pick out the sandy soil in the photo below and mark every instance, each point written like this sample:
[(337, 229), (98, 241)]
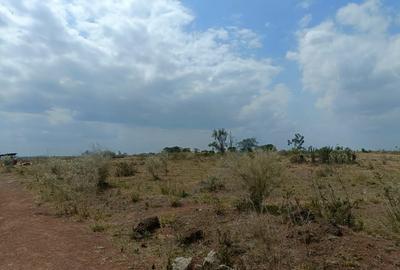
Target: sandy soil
[(32, 239)]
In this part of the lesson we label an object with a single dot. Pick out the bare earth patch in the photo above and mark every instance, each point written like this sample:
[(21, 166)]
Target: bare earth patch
[(31, 239)]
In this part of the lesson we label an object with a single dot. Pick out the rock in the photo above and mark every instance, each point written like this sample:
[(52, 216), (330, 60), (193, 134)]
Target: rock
[(211, 260), (181, 263), (192, 236), (211, 257), (224, 267), (146, 227)]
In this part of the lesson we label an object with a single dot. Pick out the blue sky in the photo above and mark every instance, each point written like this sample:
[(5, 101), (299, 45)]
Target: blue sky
[(138, 75)]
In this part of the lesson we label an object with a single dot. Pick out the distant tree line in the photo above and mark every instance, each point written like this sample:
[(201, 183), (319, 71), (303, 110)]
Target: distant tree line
[(223, 141)]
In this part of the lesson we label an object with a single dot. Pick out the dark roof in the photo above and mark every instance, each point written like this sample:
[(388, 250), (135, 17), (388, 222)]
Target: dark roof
[(8, 155)]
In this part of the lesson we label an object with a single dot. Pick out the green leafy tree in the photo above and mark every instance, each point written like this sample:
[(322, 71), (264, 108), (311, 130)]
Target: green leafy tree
[(247, 145), (220, 142), (268, 147), (297, 141)]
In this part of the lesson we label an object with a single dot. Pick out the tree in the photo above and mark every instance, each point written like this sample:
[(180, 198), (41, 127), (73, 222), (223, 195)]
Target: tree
[(297, 141), (220, 142), (231, 148), (247, 145), (268, 147)]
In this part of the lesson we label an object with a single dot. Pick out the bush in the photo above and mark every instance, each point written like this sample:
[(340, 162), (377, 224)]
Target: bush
[(297, 158), (313, 154), (157, 165), (125, 169), (267, 147), (247, 145), (212, 184), (338, 155), (228, 249), (175, 202), (294, 212), (393, 208), (175, 149), (103, 173), (71, 184), (7, 161), (259, 174), (135, 197), (325, 154), (335, 209)]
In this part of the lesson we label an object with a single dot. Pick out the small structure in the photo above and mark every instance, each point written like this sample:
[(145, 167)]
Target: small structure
[(10, 156)]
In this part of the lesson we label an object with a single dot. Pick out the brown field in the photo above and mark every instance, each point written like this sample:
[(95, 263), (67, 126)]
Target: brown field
[(295, 229)]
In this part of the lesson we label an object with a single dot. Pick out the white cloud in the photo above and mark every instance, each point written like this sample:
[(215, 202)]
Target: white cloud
[(267, 103), (348, 63), (133, 63), (366, 17), (57, 116)]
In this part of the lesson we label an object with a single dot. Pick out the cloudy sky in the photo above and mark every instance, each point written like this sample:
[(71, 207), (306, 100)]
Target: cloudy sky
[(139, 75)]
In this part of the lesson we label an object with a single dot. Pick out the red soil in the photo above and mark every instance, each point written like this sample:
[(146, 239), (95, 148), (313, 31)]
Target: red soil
[(30, 239)]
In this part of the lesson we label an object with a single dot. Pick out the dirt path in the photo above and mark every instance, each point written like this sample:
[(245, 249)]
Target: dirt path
[(31, 240)]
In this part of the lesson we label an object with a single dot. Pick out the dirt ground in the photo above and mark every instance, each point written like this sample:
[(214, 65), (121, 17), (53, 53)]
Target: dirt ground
[(32, 239), (184, 199)]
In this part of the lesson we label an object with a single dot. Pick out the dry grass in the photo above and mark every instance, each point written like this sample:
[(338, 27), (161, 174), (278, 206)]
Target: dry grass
[(70, 184), (157, 166), (201, 192), (259, 173)]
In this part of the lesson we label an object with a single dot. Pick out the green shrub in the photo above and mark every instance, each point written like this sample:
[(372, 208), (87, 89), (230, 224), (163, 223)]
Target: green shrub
[(267, 147), (176, 149), (325, 154), (259, 173), (338, 155), (335, 209), (247, 145)]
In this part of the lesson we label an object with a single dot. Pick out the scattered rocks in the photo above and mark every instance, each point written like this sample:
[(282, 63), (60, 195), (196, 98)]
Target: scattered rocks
[(181, 263), (211, 262), (192, 236), (211, 259), (146, 227)]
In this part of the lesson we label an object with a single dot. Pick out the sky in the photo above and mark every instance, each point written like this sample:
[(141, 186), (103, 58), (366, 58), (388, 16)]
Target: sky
[(140, 75)]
